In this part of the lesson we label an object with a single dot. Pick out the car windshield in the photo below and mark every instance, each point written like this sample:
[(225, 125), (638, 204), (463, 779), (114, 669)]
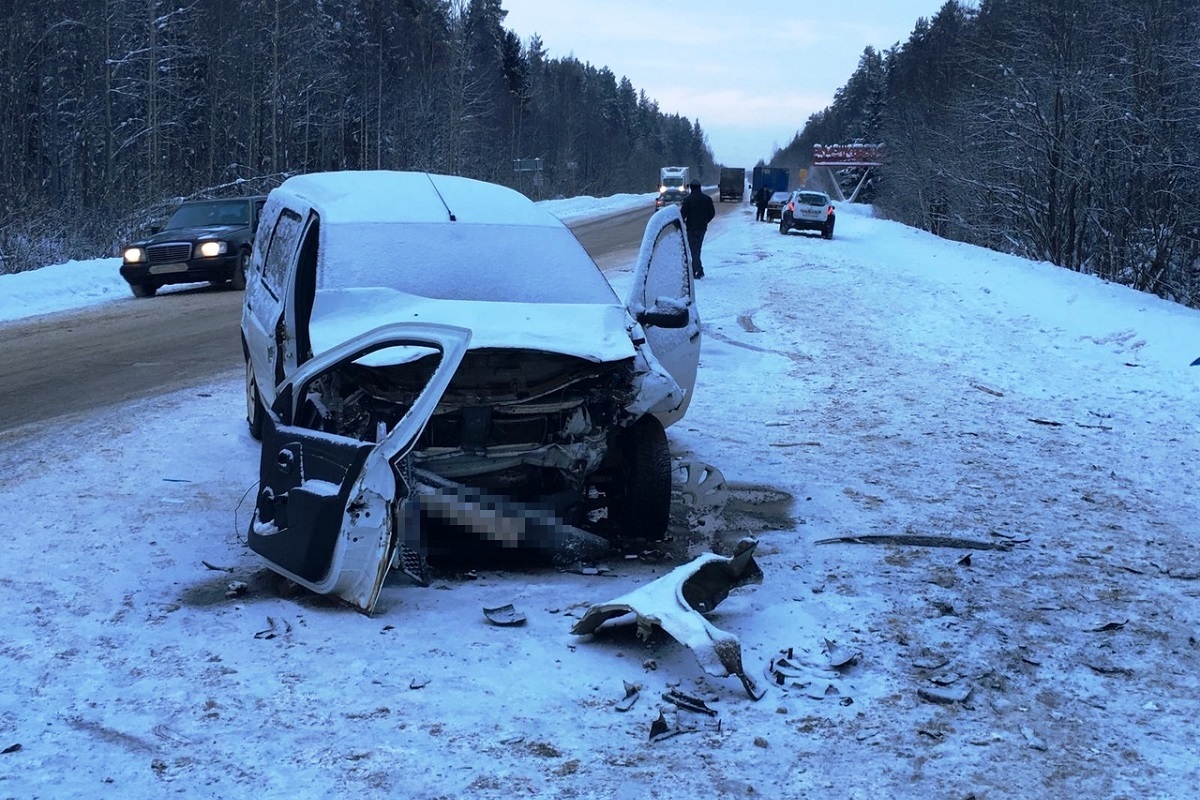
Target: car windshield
[(779, 197), (811, 199), (200, 215), (497, 263)]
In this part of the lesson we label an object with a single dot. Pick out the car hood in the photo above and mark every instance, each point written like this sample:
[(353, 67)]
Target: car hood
[(593, 331), (190, 234)]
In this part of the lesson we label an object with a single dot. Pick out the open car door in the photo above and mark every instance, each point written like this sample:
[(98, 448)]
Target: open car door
[(331, 510), (663, 299)]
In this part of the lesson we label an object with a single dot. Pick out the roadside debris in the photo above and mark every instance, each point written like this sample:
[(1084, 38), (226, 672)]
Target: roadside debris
[(632, 693), (504, 616), (1109, 626), (917, 540), (676, 603), (1036, 742), (703, 491), (841, 657), (688, 702), (665, 727), (275, 629), (944, 695), (987, 389)]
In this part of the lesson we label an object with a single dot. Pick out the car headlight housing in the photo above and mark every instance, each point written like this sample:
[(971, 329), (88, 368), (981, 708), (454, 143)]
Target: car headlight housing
[(213, 249), (133, 255)]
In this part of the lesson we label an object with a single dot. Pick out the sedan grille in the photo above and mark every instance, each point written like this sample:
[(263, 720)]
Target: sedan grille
[(175, 251)]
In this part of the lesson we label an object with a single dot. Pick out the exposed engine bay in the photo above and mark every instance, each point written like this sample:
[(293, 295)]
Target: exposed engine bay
[(526, 423)]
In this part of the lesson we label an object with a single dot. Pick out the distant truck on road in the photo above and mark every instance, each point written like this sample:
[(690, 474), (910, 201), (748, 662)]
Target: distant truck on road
[(672, 186), (733, 184), (776, 179)]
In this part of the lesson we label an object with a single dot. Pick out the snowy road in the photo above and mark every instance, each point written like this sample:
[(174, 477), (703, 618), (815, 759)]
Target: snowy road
[(883, 384)]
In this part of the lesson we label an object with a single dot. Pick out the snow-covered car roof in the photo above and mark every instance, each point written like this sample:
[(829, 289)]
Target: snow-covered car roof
[(382, 196), (411, 245)]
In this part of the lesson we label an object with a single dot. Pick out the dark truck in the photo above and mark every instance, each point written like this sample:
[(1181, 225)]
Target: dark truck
[(776, 179), (733, 184)]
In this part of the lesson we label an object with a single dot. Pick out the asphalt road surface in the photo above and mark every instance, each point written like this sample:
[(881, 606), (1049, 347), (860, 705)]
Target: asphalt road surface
[(78, 361)]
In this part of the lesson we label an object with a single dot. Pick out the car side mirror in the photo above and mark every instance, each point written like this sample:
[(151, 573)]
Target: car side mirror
[(665, 314)]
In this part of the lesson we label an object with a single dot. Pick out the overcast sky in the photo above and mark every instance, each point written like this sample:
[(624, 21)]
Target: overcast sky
[(752, 73)]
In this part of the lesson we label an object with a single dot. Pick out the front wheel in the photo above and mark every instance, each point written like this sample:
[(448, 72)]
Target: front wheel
[(645, 485), (238, 280), (254, 406), (143, 289)]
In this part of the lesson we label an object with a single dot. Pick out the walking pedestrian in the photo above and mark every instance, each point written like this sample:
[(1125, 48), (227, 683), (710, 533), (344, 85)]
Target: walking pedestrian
[(697, 211)]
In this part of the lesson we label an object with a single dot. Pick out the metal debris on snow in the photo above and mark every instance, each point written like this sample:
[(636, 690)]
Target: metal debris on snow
[(918, 540)]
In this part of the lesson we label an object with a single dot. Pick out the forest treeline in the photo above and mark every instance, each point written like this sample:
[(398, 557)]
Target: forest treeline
[(1061, 130), (113, 110)]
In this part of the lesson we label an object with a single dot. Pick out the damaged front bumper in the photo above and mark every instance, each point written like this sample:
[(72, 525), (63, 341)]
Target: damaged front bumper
[(677, 602)]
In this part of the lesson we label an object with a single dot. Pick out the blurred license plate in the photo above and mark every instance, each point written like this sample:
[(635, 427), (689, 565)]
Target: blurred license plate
[(159, 269)]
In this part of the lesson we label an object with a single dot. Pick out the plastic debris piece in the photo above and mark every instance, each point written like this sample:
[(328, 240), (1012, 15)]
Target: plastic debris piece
[(676, 603), (686, 701), (840, 657), (661, 729), (1110, 626), (930, 661), (945, 696), (1035, 741), (505, 615), (632, 693)]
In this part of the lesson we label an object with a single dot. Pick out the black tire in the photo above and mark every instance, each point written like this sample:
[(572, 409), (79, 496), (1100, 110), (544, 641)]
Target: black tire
[(645, 488), (143, 289), (238, 280), (254, 407)]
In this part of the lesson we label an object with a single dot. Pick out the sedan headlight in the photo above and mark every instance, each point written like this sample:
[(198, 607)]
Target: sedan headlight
[(133, 255), (211, 249)]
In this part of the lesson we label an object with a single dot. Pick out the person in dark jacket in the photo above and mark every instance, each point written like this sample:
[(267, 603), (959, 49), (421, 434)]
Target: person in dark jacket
[(697, 211), (760, 203)]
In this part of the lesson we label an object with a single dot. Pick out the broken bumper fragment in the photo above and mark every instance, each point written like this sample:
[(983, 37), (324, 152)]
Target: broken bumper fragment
[(677, 602)]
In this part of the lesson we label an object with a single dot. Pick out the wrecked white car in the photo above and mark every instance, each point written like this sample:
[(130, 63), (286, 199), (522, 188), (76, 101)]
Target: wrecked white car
[(369, 293)]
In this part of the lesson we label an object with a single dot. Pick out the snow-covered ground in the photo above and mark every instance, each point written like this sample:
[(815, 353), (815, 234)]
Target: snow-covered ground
[(886, 384)]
